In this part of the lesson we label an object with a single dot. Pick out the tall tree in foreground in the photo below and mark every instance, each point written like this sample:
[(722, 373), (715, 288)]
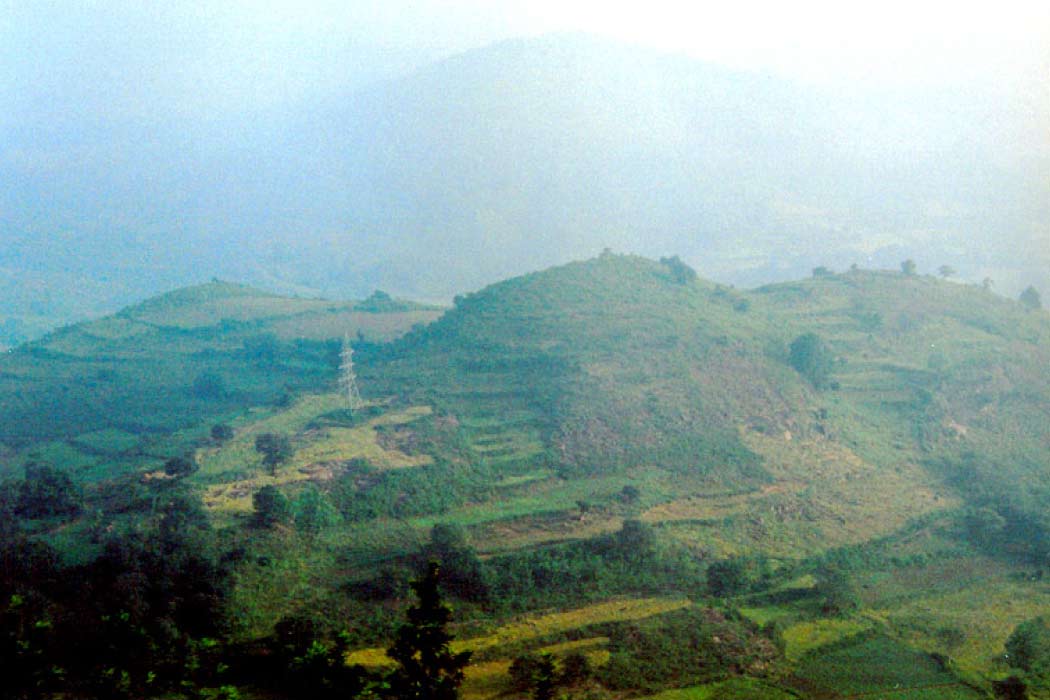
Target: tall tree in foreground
[(427, 667)]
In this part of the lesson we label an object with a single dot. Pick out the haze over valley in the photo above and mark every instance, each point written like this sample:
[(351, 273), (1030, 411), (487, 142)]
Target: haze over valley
[(430, 177), (419, 350)]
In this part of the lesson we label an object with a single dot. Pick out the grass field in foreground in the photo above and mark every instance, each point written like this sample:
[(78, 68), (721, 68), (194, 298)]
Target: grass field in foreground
[(525, 628)]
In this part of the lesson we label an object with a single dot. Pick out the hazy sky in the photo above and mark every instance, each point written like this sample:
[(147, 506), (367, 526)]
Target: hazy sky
[(143, 123), (133, 60)]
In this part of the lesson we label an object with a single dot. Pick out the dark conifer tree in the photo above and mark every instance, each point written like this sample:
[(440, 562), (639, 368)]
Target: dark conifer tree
[(427, 667)]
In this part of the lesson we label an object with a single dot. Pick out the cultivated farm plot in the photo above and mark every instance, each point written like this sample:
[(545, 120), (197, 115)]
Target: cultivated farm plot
[(318, 455), (804, 637), (970, 623), (851, 500), (875, 666), (715, 506), (489, 678), (735, 689)]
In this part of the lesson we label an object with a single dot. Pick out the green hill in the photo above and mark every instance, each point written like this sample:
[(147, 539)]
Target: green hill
[(612, 459), (110, 392)]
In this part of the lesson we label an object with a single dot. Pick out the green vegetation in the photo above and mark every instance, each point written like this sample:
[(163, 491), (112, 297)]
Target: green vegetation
[(275, 450), (1028, 649), (811, 358), (271, 507), (1030, 299), (873, 663), (108, 392), (427, 669), (665, 489), (47, 492)]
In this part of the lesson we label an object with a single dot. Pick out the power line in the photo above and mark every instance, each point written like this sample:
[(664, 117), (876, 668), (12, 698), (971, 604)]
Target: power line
[(347, 377)]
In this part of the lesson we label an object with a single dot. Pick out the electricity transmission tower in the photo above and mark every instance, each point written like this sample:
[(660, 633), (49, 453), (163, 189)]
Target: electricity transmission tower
[(347, 378)]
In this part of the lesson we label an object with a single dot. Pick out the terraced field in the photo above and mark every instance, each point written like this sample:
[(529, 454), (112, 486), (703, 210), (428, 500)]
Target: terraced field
[(489, 677), (320, 453), (588, 447)]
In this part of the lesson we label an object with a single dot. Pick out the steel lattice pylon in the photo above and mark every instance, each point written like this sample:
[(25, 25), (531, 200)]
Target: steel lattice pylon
[(347, 378)]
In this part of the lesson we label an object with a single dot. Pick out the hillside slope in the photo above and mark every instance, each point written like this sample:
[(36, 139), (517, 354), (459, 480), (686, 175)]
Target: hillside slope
[(612, 365), (112, 391), (609, 457)]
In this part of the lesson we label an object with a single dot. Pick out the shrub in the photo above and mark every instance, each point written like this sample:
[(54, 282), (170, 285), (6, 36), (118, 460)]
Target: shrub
[(575, 668), (727, 577), (836, 593), (1030, 299), (47, 492), (1028, 647), (180, 466), (220, 432), (461, 570), (680, 272), (522, 671), (209, 385), (271, 507), (313, 512), (630, 494), (811, 358)]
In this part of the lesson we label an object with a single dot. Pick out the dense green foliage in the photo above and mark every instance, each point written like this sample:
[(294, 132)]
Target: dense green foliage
[(681, 649), (275, 450), (873, 663), (811, 358), (1028, 648), (427, 667), (105, 395), (136, 621), (596, 431), (271, 507), (47, 492), (1030, 299)]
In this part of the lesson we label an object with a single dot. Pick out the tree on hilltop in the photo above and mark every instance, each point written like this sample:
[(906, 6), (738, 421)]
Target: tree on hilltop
[(1030, 299), (680, 271), (221, 432)]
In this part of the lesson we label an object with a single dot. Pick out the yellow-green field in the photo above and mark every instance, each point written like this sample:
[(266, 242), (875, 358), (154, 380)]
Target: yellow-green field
[(529, 627), (489, 679), (737, 688), (806, 636), (986, 612), (317, 453)]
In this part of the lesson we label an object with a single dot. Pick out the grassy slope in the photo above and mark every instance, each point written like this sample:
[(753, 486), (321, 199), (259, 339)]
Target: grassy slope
[(613, 368), (569, 385), (926, 369), (102, 397)]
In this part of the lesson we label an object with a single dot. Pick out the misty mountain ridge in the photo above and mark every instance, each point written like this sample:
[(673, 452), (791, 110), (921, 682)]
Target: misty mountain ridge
[(522, 155)]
